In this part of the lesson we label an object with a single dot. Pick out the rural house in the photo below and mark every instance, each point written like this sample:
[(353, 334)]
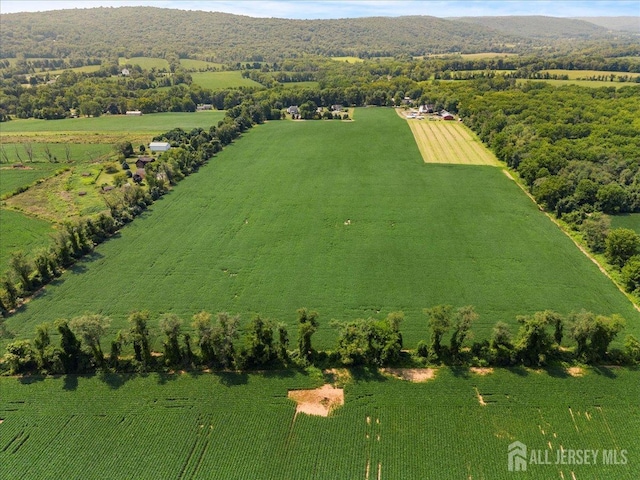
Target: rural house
[(159, 146), (446, 115), (293, 110), (142, 161), (426, 108)]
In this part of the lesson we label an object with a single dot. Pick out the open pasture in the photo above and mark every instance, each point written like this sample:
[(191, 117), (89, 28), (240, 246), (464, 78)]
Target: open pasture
[(21, 233), (146, 63), (584, 74), (122, 124), (340, 217), (194, 65), (219, 80), (458, 425), (582, 83), (348, 59), (449, 142), (630, 220)]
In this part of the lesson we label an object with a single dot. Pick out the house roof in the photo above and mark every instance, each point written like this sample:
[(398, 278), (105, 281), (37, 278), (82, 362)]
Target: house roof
[(159, 144)]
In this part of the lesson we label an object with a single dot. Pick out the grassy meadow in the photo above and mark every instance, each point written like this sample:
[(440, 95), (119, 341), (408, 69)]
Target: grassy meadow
[(147, 63), (148, 124), (341, 217), (192, 65), (218, 80), (629, 220), (199, 426), (21, 233)]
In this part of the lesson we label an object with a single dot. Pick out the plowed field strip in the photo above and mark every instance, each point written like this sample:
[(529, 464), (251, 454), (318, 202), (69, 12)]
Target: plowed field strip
[(449, 142)]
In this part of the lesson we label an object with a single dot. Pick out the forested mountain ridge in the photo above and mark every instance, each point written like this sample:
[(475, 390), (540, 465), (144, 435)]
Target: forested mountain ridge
[(625, 24), (150, 31), (539, 27)]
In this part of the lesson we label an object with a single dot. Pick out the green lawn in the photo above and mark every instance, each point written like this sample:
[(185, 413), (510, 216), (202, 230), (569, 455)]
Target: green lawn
[(239, 426), (309, 84), (152, 123), (13, 178), (341, 217), (631, 220), (21, 233), (198, 64), (576, 74), (218, 80), (146, 63)]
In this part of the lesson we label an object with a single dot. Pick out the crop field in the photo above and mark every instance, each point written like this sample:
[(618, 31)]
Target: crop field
[(458, 425), (583, 83), (218, 80), (631, 220), (450, 142), (309, 84), (577, 74), (146, 63), (335, 218), (348, 59), (21, 233), (198, 64)]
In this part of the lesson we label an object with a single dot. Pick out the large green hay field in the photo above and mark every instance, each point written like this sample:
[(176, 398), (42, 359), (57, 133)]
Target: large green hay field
[(146, 63), (631, 220), (198, 64), (218, 80), (341, 217), (21, 233), (578, 74), (229, 426), (149, 124)]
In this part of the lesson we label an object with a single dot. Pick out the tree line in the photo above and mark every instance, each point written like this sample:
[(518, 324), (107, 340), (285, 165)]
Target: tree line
[(544, 337)]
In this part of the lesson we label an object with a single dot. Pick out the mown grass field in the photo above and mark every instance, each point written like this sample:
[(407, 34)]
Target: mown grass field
[(576, 74), (309, 84), (198, 64), (244, 426), (21, 233), (348, 59), (146, 63), (583, 83), (148, 124), (449, 142), (631, 220), (218, 80), (341, 217)]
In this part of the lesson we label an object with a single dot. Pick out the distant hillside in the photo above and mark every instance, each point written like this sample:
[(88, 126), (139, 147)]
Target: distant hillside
[(623, 24), (149, 31), (539, 27)]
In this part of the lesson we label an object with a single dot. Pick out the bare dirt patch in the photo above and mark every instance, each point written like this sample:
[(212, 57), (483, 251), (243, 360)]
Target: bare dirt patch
[(411, 374), (320, 401), (482, 370), (575, 371)]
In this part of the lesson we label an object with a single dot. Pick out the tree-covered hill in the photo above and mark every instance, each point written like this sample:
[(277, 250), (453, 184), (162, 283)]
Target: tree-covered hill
[(539, 27), (624, 24), (149, 31)]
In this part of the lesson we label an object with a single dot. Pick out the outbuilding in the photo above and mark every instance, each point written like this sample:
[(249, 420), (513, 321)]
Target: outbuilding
[(159, 146), (446, 115)]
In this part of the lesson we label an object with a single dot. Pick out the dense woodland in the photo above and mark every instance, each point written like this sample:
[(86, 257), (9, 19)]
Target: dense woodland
[(146, 31)]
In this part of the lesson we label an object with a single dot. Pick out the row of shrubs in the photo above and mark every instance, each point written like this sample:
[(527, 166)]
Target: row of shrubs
[(540, 340)]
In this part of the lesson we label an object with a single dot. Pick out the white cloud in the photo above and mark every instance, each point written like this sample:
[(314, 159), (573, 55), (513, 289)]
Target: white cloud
[(356, 8)]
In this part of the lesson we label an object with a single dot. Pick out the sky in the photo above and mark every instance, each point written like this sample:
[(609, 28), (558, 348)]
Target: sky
[(315, 9)]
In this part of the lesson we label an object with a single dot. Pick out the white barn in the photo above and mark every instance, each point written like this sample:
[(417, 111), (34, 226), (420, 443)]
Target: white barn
[(159, 146)]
